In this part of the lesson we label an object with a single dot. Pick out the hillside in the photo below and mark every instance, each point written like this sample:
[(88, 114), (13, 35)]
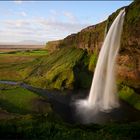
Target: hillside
[(91, 38)]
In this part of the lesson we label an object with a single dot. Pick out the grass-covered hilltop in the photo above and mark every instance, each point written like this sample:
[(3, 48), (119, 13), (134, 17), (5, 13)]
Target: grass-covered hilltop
[(36, 86)]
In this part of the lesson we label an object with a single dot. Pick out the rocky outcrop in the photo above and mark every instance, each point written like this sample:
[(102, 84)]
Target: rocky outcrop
[(89, 39), (128, 59), (52, 46)]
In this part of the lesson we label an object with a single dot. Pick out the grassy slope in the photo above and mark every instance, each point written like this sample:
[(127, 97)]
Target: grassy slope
[(15, 99), (44, 128), (57, 70), (29, 53), (17, 66)]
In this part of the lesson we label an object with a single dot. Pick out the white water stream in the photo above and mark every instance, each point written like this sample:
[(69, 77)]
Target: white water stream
[(103, 93)]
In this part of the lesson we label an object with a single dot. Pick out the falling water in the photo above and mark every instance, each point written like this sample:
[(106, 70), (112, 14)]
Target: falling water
[(106, 29), (103, 93)]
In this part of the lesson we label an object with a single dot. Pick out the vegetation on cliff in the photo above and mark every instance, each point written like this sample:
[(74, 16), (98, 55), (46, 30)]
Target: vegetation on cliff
[(128, 94), (59, 70)]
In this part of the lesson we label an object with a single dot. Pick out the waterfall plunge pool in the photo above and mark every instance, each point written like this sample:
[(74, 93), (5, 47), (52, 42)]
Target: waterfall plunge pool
[(64, 106)]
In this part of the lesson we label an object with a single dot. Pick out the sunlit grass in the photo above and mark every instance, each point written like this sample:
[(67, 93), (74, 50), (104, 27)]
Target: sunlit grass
[(19, 100), (25, 53)]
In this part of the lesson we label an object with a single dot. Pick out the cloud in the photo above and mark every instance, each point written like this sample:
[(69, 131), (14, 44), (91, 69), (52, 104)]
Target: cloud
[(62, 26), (53, 12), (40, 28), (18, 1), (64, 15), (24, 14), (70, 16), (10, 13), (16, 23)]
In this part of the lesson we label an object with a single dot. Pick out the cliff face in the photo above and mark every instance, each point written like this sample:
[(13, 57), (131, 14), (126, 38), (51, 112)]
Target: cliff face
[(129, 54), (91, 38), (52, 46)]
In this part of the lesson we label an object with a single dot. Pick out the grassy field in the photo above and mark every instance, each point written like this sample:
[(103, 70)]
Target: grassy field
[(18, 65), (25, 53), (18, 100), (16, 68), (49, 128), (6, 86)]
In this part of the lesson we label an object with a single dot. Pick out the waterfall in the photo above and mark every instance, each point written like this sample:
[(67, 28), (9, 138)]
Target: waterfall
[(103, 93), (106, 28)]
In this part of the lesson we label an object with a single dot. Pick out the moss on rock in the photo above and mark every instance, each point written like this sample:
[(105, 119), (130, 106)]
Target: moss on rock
[(128, 94)]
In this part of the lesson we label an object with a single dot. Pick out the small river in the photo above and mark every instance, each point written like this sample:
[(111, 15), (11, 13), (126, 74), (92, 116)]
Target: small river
[(64, 105)]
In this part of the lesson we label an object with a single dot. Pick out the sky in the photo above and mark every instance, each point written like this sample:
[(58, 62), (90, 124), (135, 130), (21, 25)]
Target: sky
[(45, 21)]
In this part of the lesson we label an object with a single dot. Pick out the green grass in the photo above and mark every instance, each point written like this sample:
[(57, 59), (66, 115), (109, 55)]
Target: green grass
[(17, 68), (34, 52), (26, 53), (93, 61), (53, 71), (128, 95), (56, 70), (6, 86), (22, 101), (40, 127)]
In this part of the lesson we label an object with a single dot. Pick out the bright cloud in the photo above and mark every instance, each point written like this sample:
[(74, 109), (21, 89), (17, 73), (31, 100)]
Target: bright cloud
[(18, 1), (49, 20), (24, 14), (70, 16), (40, 29), (57, 25)]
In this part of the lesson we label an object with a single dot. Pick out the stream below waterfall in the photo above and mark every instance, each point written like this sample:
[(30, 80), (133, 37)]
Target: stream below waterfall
[(64, 105)]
